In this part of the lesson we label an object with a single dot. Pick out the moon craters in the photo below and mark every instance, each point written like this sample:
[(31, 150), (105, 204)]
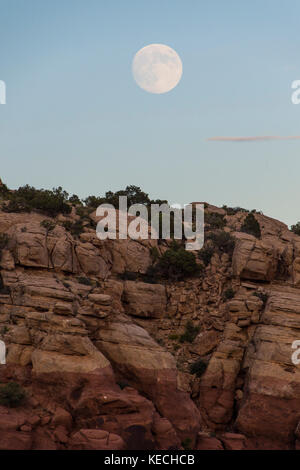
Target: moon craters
[(157, 68)]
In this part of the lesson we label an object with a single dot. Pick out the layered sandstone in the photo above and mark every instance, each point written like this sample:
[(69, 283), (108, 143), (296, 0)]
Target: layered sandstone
[(100, 356)]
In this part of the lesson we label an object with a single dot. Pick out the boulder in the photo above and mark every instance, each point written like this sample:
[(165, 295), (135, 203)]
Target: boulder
[(95, 439), (254, 259), (153, 370), (144, 300)]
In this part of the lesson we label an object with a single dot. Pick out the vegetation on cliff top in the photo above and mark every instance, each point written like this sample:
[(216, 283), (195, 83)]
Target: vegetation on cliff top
[(26, 198), (251, 226), (296, 228), (57, 201)]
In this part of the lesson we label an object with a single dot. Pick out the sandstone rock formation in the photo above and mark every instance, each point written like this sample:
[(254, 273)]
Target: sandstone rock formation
[(104, 360)]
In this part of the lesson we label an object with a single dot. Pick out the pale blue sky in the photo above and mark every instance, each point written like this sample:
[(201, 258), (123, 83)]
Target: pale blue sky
[(75, 117)]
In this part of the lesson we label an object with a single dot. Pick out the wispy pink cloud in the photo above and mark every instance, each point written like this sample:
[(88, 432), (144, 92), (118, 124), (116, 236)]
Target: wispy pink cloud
[(256, 138)]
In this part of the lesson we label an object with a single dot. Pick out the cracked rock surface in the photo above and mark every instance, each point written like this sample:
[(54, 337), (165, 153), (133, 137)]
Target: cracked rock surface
[(102, 359)]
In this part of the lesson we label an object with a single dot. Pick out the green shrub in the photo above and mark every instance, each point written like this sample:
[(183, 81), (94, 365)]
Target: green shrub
[(11, 394), (215, 220), (216, 242), (85, 219), (3, 240), (122, 384), (93, 202), (160, 341), (48, 224), (67, 224), (187, 443), (75, 228), (251, 226), (150, 276), (85, 280), (82, 211), (74, 200), (16, 205), (296, 228), (177, 263), (283, 267), (205, 254), (5, 290), (49, 202), (4, 191), (154, 253), (134, 196), (223, 241), (4, 330), (229, 293), (234, 210), (128, 276), (190, 333), (173, 337), (198, 367)]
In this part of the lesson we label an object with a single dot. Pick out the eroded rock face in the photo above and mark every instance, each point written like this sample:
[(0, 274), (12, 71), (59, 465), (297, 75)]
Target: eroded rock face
[(129, 255), (273, 382), (145, 300), (96, 439), (136, 355), (109, 363), (254, 259)]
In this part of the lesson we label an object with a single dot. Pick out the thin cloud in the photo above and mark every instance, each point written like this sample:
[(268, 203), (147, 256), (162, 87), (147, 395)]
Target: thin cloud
[(256, 138)]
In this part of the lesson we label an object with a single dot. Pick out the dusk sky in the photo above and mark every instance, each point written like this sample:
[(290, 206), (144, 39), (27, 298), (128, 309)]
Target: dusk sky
[(75, 117)]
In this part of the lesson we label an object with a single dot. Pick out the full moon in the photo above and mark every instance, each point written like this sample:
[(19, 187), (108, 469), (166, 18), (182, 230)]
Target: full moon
[(157, 68)]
